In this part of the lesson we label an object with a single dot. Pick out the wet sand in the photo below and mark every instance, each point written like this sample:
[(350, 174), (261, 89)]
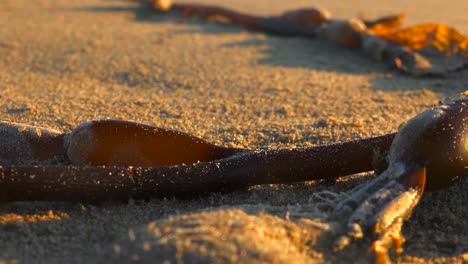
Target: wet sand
[(65, 62)]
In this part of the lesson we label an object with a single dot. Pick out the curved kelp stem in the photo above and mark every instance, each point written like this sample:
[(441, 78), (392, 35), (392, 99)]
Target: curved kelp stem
[(420, 50), (90, 183), (273, 25)]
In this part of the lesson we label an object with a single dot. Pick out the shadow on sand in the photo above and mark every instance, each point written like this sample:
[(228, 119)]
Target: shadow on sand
[(306, 53)]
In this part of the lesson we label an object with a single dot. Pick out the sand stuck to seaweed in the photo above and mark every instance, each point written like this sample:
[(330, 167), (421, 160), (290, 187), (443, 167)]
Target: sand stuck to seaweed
[(65, 62)]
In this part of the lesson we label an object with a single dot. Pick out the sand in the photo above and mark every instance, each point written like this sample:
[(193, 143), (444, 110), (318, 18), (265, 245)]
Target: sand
[(65, 62)]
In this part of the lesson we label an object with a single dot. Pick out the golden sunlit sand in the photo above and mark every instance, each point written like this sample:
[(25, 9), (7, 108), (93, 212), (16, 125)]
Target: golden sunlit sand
[(65, 62), (36, 217)]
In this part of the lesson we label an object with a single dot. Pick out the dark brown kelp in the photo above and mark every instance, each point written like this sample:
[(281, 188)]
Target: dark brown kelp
[(91, 183), (429, 152), (425, 49), (124, 143)]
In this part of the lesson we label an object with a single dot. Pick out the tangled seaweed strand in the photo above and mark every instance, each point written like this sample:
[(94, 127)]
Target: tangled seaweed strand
[(419, 50)]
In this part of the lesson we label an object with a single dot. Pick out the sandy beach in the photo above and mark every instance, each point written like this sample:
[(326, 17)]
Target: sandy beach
[(65, 62)]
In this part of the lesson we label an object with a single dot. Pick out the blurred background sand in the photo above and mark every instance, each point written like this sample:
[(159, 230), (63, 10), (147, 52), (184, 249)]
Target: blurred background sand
[(64, 62)]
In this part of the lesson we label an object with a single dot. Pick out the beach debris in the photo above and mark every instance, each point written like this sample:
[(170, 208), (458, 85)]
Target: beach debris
[(124, 143), (345, 33), (119, 160), (430, 151), (431, 49), (434, 48), (158, 5), (306, 16)]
